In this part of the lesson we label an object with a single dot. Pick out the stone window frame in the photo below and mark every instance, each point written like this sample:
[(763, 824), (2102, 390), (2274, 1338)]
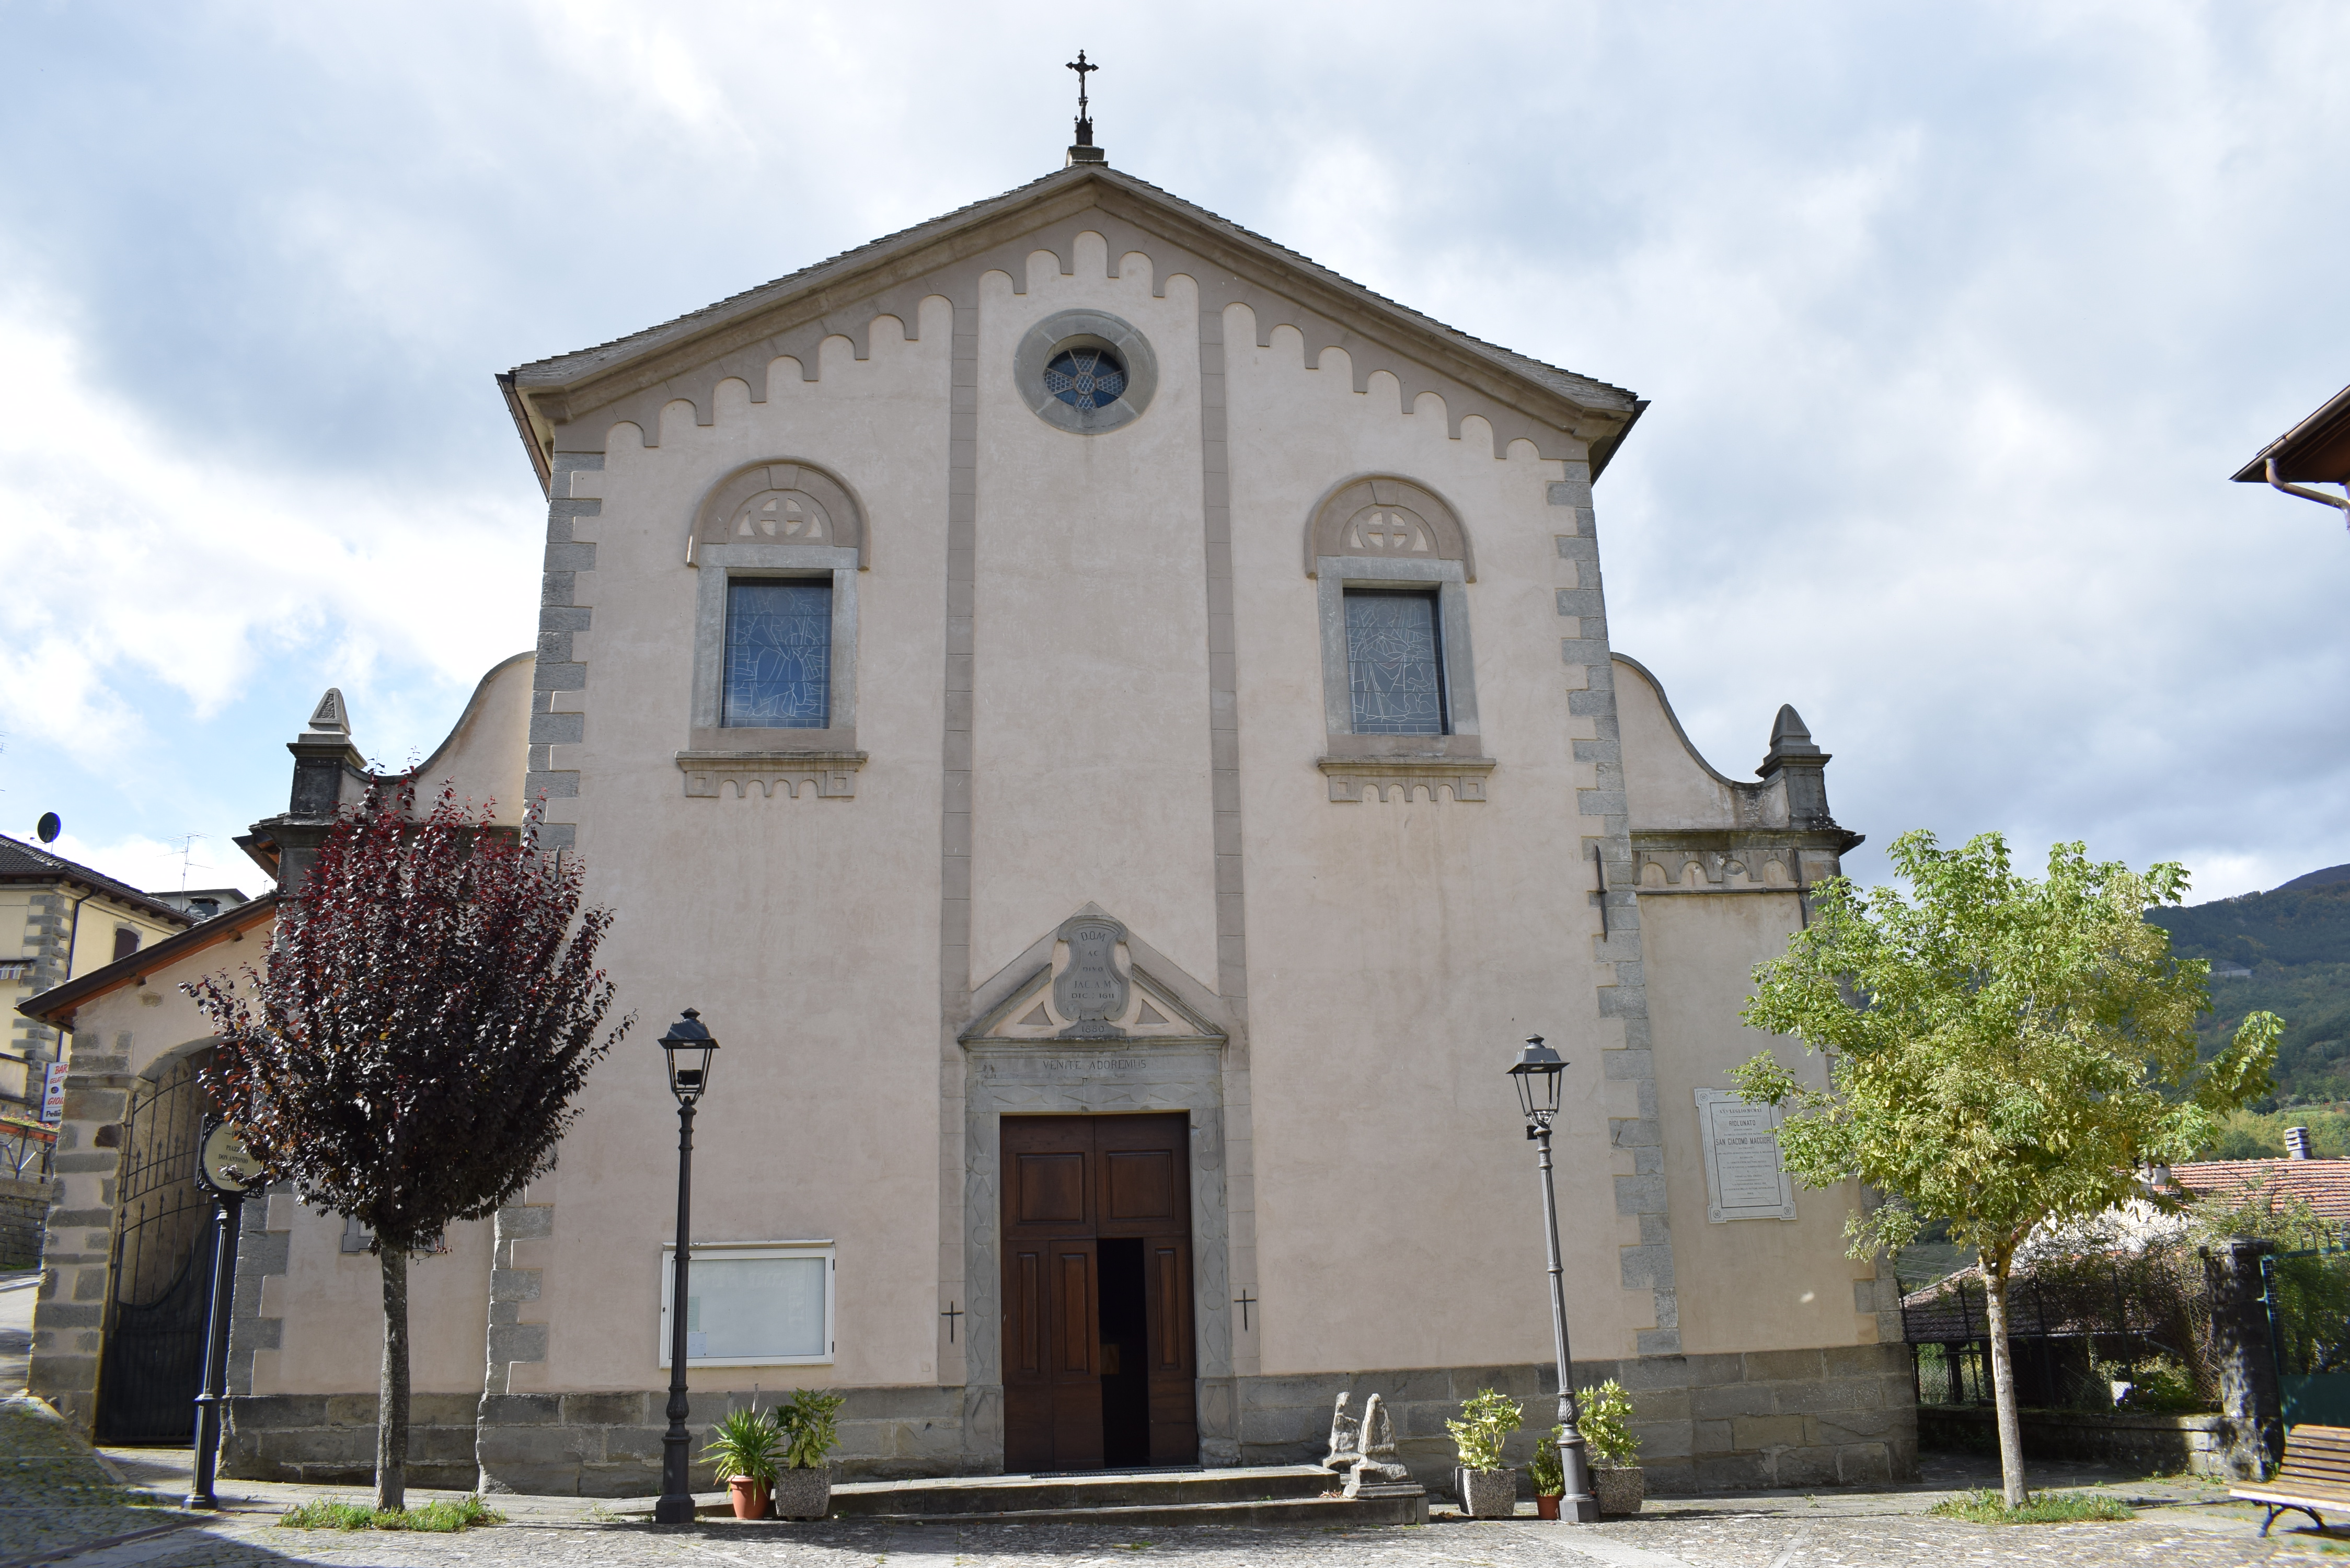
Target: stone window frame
[(1448, 567), (720, 1251), (1381, 765), (722, 560)]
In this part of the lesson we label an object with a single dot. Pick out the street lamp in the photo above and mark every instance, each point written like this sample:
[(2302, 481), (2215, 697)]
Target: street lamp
[(689, 1047), (1538, 1073), (224, 1170)]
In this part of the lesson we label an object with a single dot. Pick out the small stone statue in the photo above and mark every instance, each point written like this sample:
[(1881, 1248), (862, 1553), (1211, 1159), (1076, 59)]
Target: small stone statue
[(1377, 1468), (1345, 1437)]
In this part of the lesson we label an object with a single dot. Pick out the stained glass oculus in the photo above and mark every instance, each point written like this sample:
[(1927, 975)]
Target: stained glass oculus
[(778, 653), (1395, 666), (1085, 378)]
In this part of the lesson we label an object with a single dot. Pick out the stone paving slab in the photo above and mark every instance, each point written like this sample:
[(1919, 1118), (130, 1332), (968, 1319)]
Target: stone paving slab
[(2183, 1523)]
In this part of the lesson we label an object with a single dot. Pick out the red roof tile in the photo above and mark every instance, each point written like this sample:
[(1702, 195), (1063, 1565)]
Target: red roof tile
[(2323, 1184)]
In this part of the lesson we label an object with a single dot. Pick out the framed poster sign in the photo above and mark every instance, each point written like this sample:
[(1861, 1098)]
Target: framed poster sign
[(1743, 1177)]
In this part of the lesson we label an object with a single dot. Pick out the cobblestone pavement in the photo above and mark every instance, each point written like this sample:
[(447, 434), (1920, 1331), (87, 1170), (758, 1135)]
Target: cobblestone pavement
[(2180, 1524)]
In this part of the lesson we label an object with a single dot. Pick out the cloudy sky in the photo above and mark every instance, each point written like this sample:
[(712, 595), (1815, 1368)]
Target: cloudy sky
[(1956, 319)]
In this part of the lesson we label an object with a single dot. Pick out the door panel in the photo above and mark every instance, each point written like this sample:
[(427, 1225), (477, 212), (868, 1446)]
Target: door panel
[(1141, 1185), (1053, 1189), (1174, 1416), (1070, 1180)]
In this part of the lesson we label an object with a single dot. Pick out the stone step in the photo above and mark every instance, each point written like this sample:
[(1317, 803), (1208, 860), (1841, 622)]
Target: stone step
[(974, 1496), (1321, 1512)]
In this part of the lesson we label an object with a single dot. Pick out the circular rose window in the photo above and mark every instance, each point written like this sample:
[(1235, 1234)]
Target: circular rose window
[(1085, 378), (1084, 371)]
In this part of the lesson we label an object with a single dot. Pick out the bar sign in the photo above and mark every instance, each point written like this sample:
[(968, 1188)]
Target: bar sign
[(53, 1092)]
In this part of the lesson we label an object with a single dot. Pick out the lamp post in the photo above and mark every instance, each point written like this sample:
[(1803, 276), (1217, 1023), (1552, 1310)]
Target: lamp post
[(1537, 1075), (690, 1047), (224, 1170)]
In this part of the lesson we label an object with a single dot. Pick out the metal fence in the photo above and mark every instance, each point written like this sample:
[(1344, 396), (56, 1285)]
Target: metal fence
[(2307, 1296), (2083, 1334)]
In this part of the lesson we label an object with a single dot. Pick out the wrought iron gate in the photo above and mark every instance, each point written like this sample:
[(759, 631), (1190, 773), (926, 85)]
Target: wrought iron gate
[(153, 1368)]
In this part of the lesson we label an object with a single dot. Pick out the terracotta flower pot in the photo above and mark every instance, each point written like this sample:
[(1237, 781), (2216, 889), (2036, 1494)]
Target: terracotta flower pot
[(1488, 1494), (749, 1497), (1618, 1488), (804, 1493), (1546, 1504)]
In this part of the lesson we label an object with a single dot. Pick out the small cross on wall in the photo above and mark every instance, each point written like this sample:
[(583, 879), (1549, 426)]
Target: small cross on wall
[(951, 1315), (1244, 1301)]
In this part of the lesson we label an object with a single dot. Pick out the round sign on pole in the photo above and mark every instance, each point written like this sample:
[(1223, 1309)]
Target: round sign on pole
[(224, 1166)]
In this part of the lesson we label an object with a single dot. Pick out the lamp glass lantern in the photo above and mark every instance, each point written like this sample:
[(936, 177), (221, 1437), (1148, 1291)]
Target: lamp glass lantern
[(690, 1047), (1539, 1074)]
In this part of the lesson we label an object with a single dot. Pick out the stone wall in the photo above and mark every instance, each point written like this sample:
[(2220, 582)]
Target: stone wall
[(329, 1439), (78, 1248), (1840, 1416), (584, 1445), (24, 1220), (2156, 1443)]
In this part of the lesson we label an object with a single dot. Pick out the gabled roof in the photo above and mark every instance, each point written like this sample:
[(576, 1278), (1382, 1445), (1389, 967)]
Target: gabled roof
[(23, 862), (56, 1005), (580, 380), (2315, 452), (2323, 1184)]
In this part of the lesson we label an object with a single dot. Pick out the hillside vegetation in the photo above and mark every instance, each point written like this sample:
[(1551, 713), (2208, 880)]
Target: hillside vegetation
[(2296, 942)]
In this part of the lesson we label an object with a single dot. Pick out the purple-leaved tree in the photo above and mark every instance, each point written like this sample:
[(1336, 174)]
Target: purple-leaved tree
[(408, 1053)]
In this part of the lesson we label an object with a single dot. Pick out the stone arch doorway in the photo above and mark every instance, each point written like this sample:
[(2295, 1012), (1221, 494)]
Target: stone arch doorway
[(159, 1277), (1099, 1364)]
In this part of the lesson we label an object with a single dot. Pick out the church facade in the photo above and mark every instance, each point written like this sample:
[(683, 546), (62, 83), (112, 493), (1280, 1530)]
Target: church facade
[(1115, 729)]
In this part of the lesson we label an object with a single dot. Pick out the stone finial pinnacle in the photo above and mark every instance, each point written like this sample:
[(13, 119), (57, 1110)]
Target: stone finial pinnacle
[(1788, 732), (330, 717), (1791, 742)]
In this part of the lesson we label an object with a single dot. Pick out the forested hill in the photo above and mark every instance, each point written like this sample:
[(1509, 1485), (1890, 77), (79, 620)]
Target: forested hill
[(2295, 941)]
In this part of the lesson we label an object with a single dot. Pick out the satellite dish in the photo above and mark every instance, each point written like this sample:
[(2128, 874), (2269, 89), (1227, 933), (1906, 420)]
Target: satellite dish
[(48, 827)]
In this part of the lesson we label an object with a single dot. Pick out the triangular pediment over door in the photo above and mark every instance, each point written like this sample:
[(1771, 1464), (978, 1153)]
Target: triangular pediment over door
[(1091, 979)]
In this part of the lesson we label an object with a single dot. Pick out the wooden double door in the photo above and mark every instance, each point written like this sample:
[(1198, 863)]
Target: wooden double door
[(1099, 1365)]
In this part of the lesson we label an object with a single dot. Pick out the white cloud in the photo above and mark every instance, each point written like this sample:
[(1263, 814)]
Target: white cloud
[(136, 562), (1955, 321), (155, 866)]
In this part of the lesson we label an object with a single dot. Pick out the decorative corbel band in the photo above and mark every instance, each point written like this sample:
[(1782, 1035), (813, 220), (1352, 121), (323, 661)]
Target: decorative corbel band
[(830, 776), (1779, 861), (1350, 777)]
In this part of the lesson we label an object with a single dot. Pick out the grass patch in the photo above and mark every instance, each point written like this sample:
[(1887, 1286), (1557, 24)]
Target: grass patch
[(2047, 1507), (438, 1517)]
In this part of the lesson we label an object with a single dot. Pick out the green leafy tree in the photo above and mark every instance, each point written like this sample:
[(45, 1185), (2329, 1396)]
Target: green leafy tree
[(408, 1053), (2001, 1052)]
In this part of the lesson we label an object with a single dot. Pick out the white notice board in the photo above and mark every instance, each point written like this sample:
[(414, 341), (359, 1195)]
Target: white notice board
[(1743, 1177)]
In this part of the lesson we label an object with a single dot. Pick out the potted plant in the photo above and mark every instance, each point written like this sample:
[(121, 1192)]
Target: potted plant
[(1604, 1417), (745, 1444), (1488, 1490), (1547, 1475), (810, 1424)]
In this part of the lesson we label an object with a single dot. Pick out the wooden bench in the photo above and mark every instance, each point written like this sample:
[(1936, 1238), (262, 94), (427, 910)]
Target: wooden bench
[(2315, 1474)]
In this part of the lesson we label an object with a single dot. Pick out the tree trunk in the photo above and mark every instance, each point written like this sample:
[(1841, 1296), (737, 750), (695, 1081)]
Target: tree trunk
[(2003, 1385), (391, 1389)]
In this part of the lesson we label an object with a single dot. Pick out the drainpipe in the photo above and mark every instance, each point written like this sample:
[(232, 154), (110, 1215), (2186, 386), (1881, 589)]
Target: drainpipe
[(2308, 494)]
